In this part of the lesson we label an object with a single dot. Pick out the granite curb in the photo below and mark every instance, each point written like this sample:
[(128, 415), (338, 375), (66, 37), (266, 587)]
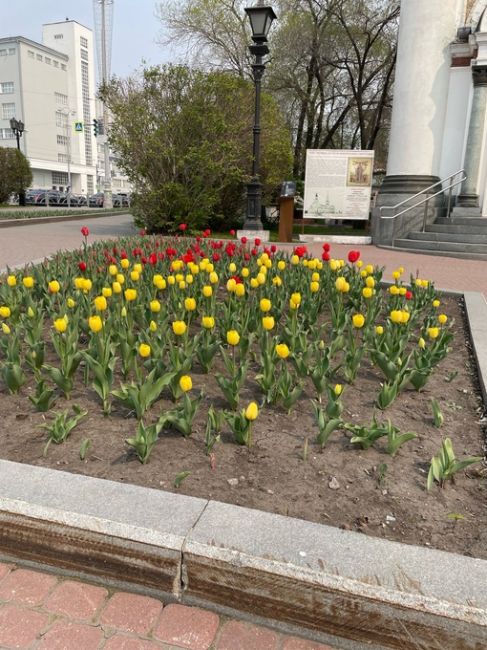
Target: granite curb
[(10, 223), (336, 586)]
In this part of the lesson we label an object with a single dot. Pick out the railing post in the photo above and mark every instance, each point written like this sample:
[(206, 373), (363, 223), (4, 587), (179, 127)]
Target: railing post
[(448, 210), (425, 213)]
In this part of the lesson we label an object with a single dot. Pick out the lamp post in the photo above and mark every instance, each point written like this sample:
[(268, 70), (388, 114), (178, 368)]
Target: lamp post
[(18, 128), (261, 18)]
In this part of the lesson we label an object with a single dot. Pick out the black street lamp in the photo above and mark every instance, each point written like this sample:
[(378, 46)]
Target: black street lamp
[(18, 128), (261, 18)]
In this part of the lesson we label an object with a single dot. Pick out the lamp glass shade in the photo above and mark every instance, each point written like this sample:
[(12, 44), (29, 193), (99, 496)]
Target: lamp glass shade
[(13, 123), (260, 20)]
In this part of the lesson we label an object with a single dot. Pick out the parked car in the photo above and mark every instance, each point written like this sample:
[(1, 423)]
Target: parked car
[(74, 200), (97, 200), (31, 196), (53, 197)]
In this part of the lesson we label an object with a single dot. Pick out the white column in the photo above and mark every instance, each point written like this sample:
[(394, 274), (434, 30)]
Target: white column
[(426, 29)]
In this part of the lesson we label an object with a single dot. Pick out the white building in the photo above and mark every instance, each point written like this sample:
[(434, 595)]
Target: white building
[(438, 127), (50, 87)]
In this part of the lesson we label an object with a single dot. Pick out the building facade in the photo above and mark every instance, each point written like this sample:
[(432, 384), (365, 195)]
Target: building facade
[(439, 116), (50, 87)]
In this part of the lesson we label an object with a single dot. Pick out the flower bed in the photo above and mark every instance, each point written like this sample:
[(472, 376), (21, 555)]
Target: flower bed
[(229, 371)]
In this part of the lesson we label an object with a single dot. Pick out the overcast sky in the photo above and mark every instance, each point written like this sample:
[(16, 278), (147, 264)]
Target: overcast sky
[(135, 27)]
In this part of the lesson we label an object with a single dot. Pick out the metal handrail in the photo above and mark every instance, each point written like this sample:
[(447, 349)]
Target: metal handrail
[(425, 200)]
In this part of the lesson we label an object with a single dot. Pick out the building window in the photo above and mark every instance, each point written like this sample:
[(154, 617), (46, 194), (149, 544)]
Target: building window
[(58, 37), (83, 41), (61, 120), (63, 66), (59, 178), (61, 99), (8, 111), (39, 57), (3, 52), (84, 54), (30, 54), (62, 158), (6, 87), (6, 134), (91, 187), (62, 140), (47, 60), (11, 50), (55, 63)]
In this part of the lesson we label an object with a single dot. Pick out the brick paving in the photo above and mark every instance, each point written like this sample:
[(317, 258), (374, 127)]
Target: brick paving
[(40, 611)]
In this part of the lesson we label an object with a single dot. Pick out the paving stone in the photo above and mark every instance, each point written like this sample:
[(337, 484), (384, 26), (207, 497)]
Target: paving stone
[(76, 600), (19, 628), (119, 642), (294, 643), (237, 635), (187, 627), (131, 612), (26, 587), (65, 635)]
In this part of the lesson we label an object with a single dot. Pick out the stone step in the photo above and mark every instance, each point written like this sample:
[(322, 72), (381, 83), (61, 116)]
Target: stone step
[(458, 211), (461, 238), (455, 229), (461, 221), (448, 249)]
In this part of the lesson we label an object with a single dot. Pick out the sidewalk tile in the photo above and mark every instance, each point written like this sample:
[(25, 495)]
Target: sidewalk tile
[(19, 628), (76, 600), (187, 627), (294, 643), (131, 612), (237, 635), (65, 635), (119, 642), (26, 587), (4, 569)]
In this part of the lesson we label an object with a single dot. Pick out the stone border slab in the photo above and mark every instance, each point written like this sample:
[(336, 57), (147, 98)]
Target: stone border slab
[(340, 586), (10, 223), (337, 239)]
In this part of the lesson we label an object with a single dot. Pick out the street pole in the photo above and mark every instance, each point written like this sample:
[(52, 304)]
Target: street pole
[(18, 128), (107, 188)]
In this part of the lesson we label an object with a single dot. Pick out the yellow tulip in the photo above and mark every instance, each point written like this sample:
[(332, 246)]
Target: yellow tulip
[(367, 292), (379, 330), (276, 281), (231, 284), (442, 318), (254, 283), (232, 267), (28, 282), (179, 327), (213, 277), (5, 312), (233, 337), (240, 290), (144, 350), (112, 269), (171, 280), (436, 304), (120, 278), (60, 325), (185, 383), (268, 323), (124, 263), (11, 280), (296, 298), (138, 268), (116, 287), (190, 304), (422, 343), (281, 265), (188, 279), (86, 284), (106, 292), (179, 277), (155, 306), (208, 322), (396, 316), (265, 305), (70, 303), (314, 287), (130, 294), (396, 274), (370, 282), (54, 286), (134, 276), (100, 303), (282, 350), (245, 272), (261, 278), (252, 411), (433, 332), (358, 320), (95, 323), (182, 285), (394, 290), (338, 390), (294, 260), (315, 277), (153, 326)]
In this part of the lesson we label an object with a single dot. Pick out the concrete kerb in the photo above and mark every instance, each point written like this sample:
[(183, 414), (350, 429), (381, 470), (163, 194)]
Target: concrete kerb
[(336, 586)]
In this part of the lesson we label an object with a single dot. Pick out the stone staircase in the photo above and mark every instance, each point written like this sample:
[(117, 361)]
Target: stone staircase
[(463, 235)]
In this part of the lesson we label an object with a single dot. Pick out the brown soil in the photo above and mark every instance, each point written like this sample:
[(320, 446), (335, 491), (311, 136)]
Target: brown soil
[(339, 486)]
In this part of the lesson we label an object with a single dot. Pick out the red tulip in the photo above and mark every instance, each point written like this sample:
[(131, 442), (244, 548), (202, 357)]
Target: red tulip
[(82, 266), (243, 240), (232, 233), (353, 256), (85, 231), (326, 256), (257, 241), (182, 227), (326, 247), (409, 295)]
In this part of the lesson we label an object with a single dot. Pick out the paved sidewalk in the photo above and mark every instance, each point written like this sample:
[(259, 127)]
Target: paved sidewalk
[(41, 611)]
